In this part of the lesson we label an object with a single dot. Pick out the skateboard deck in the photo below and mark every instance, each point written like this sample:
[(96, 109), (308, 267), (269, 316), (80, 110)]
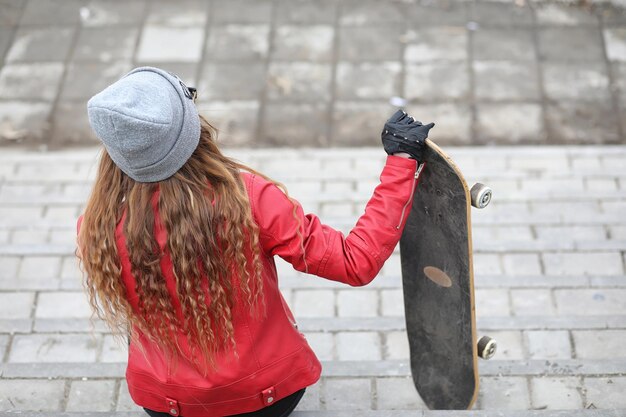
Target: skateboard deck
[(438, 285)]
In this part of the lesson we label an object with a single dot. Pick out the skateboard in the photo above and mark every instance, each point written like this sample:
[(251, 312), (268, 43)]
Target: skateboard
[(438, 285)]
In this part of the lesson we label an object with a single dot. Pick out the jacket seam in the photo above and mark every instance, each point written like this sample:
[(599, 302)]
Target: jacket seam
[(234, 400), (326, 257), (376, 256), (269, 365)]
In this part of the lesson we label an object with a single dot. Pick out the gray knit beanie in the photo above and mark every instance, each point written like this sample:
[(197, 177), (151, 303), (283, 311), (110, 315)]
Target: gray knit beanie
[(148, 123)]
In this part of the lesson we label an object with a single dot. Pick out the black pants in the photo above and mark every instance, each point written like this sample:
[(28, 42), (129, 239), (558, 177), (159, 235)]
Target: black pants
[(280, 408)]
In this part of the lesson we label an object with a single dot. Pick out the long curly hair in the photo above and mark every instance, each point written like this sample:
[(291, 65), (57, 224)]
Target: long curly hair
[(212, 240)]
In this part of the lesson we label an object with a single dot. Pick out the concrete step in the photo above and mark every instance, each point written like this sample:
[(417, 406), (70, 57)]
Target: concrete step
[(344, 324), (344, 369)]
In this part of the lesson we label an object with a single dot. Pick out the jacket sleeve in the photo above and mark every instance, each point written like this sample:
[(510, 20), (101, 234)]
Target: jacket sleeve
[(321, 250)]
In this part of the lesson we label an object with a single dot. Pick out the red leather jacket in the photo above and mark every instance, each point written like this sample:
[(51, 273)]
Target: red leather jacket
[(274, 357)]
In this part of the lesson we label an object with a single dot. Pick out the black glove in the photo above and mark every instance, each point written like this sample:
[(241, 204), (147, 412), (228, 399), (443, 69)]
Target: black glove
[(402, 133)]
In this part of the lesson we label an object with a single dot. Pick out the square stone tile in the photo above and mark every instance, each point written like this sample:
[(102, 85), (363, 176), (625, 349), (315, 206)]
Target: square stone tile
[(39, 266), (557, 393), (548, 344), (439, 43), (357, 303), (509, 123), (229, 81), (521, 264), (606, 392), (397, 394), (532, 302), (396, 346), (31, 394), (369, 117), (489, 263), (584, 81), (84, 79), (452, 121), (30, 81), (295, 124), (564, 14), (238, 42), (506, 80), (20, 120), (437, 81), (503, 393), (41, 44), (16, 305), (114, 349), (69, 267), (301, 81), (163, 44), (439, 13), (501, 13), (368, 80), (47, 348), (51, 12), (303, 43), (372, 43), (599, 344), (347, 394), (615, 39), (226, 116), (574, 44), (590, 301), (306, 11), (503, 44), (10, 12), (106, 44), (314, 303), (242, 11), (392, 302), (581, 122), (62, 305), (71, 124), (368, 12), (492, 302), (113, 12), (29, 237), (91, 396), (323, 344), (182, 13)]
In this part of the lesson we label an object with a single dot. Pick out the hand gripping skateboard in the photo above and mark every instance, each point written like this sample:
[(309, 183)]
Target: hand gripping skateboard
[(438, 285)]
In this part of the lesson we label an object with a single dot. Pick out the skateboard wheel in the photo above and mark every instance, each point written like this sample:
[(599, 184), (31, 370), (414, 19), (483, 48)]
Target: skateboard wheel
[(487, 347), (481, 195)]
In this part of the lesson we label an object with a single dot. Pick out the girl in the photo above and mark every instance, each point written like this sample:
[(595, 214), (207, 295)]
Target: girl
[(177, 244)]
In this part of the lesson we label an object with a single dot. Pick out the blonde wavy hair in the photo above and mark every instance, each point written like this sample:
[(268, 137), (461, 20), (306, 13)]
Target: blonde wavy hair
[(212, 240)]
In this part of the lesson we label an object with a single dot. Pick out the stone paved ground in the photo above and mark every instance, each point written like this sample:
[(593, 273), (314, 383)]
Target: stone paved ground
[(550, 278), (316, 72)]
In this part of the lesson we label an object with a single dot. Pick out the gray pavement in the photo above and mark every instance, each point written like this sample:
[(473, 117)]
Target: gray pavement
[(323, 72), (299, 89), (550, 285)]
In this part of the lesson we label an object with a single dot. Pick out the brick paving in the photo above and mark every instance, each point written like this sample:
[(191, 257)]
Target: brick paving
[(550, 284), (323, 72), (289, 83)]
